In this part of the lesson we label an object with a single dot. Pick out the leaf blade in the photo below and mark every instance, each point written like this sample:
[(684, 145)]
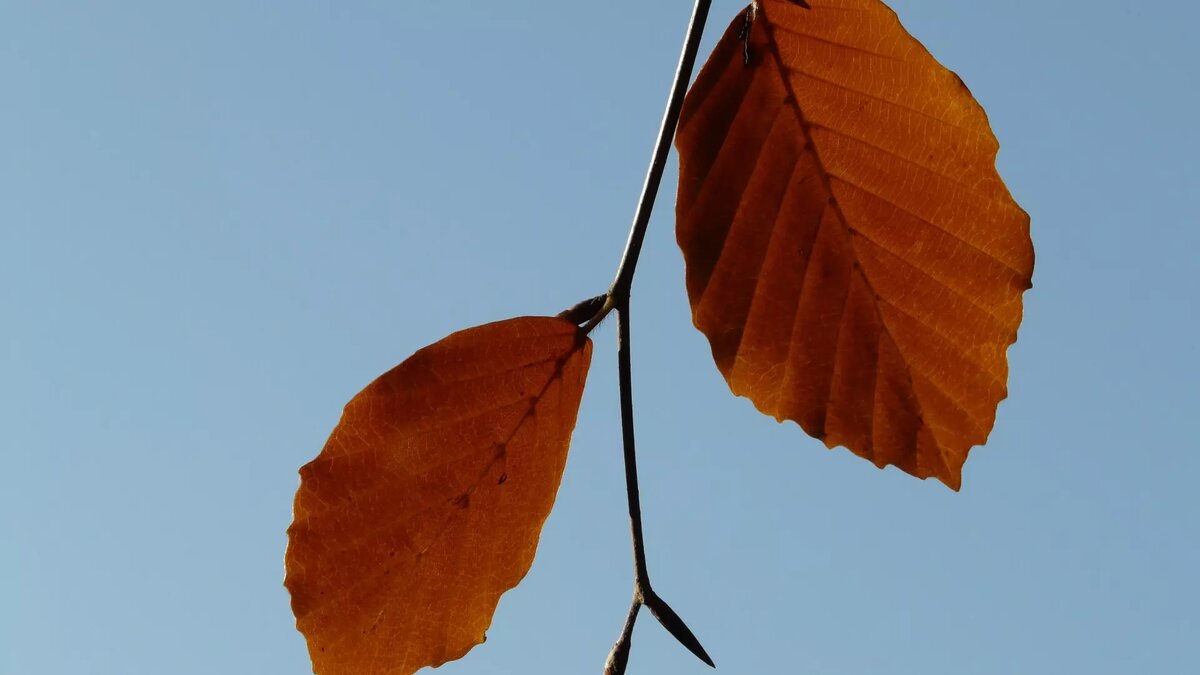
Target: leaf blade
[(852, 255), (428, 499)]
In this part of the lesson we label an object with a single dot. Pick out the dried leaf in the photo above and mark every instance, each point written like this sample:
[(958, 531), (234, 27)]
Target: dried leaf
[(427, 501), (852, 255)]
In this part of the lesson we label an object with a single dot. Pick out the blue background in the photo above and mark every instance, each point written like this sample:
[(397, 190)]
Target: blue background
[(218, 221)]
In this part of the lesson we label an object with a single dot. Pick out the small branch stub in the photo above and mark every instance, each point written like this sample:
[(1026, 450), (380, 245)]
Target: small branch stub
[(586, 311)]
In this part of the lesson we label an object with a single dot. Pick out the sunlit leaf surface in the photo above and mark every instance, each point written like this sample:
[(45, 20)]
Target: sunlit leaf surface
[(427, 501), (852, 255)]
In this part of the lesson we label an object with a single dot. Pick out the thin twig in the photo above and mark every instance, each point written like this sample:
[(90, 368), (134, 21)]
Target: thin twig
[(643, 592), (618, 658), (641, 575), (662, 149), (618, 299)]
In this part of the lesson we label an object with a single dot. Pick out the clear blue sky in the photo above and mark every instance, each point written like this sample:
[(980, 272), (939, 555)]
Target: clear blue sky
[(218, 221)]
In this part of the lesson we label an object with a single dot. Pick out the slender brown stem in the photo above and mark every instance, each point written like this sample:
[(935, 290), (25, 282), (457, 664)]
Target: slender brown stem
[(618, 299), (641, 574), (643, 592), (618, 658), (662, 150)]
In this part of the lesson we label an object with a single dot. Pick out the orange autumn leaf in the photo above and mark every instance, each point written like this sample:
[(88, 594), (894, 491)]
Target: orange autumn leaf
[(427, 501), (853, 257)]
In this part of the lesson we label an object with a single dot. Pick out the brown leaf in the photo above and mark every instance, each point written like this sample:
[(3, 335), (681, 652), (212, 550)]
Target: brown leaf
[(852, 255), (427, 501)]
